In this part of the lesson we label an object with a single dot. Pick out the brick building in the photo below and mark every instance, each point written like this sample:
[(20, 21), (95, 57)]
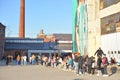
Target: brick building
[(28, 46), (2, 39)]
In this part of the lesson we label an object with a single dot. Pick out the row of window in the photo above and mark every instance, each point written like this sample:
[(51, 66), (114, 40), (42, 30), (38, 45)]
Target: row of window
[(2, 31), (24, 41), (110, 24), (113, 52), (64, 41), (107, 3)]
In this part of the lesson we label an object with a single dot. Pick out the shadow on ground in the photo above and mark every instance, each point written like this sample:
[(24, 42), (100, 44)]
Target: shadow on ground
[(113, 70), (78, 79)]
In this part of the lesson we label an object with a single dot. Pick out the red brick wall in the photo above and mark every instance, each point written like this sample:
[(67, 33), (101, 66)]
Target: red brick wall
[(2, 40)]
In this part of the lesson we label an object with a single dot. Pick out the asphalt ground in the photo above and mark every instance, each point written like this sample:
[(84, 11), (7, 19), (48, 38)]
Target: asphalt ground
[(38, 72)]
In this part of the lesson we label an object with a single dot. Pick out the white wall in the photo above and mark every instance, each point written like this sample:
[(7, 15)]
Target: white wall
[(111, 42)]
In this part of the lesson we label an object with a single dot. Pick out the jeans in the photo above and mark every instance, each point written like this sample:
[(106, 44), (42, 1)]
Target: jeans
[(75, 66), (17, 62), (24, 62), (105, 69)]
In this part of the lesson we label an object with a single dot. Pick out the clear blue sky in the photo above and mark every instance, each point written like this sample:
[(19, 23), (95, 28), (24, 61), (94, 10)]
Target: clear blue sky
[(53, 16)]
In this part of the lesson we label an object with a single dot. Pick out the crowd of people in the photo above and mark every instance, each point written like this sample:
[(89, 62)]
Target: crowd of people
[(74, 62)]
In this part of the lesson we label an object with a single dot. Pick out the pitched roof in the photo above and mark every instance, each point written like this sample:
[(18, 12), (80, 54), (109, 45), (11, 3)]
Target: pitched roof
[(1, 25)]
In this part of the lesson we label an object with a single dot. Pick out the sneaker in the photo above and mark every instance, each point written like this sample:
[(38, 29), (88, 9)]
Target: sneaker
[(80, 73), (77, 74), (105, 75), (98, 74), (90, 74)]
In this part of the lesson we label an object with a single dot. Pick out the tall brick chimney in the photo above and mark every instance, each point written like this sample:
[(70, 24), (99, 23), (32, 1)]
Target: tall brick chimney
[(22, 19)]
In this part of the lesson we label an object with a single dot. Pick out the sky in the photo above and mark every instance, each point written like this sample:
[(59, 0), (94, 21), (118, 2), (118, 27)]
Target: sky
[(53, 16)]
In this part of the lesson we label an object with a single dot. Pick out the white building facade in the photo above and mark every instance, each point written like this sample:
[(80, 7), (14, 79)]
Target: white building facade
[(110, 27)]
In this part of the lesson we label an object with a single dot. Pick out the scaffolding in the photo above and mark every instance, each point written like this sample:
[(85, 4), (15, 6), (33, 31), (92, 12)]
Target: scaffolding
[(80, 27)]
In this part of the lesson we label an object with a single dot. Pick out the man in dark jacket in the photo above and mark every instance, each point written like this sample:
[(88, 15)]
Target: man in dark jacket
[(80, 64), (89, 64), (99, 61), (99, 52)]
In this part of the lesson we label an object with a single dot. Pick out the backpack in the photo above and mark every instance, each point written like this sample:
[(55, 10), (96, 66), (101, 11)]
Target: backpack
[(104, 60)]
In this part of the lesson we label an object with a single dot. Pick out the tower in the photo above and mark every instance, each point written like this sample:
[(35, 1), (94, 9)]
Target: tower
[(22, 19)]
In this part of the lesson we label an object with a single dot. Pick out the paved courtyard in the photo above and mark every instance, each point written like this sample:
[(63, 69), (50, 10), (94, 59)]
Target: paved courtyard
[(38, 72)]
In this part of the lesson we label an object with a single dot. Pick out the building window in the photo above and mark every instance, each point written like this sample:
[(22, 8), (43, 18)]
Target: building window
[(107, 20), (116, 1), (107, 3), (1, 31), (101, 4), (110, 24), (118, 52), (117, 17)]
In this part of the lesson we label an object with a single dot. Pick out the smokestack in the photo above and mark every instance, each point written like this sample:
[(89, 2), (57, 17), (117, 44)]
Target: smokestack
[(22, 19)]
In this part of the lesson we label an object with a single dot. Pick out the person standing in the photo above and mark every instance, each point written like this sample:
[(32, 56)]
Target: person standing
[(81, 65), (93, 65), (69, 63), (37, 59), (89, 65), (18, 60), (33, 59), (24, 59), (7, 60), (75, 57), (99, 52), (105, 64), (99, 61)]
